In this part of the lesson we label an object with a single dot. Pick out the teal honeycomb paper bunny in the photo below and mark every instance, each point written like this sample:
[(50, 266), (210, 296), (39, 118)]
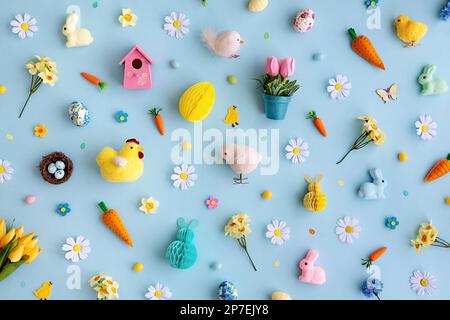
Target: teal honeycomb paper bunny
[(182, 253)]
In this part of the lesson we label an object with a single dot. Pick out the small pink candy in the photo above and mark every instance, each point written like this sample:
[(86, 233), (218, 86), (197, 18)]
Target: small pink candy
[(30, 199)]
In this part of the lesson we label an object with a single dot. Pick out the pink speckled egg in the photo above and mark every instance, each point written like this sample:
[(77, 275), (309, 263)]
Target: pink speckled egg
[(30, 199), (304, 20)]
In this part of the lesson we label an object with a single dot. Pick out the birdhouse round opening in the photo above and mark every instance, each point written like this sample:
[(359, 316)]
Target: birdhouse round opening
[(137, 63)]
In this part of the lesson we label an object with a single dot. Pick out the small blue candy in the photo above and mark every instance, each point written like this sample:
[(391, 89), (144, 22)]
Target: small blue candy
[(318, 56)]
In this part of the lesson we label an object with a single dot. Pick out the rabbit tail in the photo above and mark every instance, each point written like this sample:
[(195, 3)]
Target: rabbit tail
[(209, 38)]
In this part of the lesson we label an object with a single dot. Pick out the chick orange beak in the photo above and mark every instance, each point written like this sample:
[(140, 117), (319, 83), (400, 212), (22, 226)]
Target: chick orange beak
[(242, 42), (140, 153)]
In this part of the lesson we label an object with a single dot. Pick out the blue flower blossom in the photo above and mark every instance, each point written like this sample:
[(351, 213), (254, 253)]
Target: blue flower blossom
[(392, 223), (372, 288), (445, 12), (121, 116), (371, 4), (63, 209)]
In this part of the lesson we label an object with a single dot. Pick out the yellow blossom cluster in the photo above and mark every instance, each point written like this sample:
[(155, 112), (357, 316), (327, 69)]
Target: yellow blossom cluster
[(372, 130), (426, 236), (105, 287), (238, 226), (44, 68)]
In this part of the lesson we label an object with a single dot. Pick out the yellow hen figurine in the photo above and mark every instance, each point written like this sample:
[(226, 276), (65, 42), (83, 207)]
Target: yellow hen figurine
[(232, 116), (315, 200), (44, 292), (410, 31), (123, 166)]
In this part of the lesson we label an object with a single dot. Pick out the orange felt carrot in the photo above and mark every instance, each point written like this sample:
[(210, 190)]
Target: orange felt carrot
[(317, 122), (373, 257), (364, 48), (158, 119), (112, 219), (441, 168), (94, 80)]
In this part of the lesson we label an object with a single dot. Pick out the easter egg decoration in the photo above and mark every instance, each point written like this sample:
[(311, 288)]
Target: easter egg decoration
[(257, 5), (197, 102), (78, 114), (56, 168), (315, 200), (227, 291), (304, 20), (280, 295), (181, 253)]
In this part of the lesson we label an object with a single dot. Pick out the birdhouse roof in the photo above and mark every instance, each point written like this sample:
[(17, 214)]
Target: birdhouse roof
[(142, 52)]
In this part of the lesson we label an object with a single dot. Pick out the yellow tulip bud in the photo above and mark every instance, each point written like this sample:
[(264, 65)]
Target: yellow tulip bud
[(16, 253), (32, 255), (7, 238), (30, 246), (19, 232), (26, 240), (2, 228)]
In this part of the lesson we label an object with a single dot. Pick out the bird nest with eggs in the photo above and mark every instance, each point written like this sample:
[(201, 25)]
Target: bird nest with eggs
[(56, 168)]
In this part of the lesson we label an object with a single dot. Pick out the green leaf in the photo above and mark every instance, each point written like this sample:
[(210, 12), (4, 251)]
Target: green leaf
[(5, 252), (9, 269)]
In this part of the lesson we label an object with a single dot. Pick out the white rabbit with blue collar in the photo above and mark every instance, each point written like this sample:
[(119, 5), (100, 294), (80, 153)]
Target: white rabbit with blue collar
[(373, 190)]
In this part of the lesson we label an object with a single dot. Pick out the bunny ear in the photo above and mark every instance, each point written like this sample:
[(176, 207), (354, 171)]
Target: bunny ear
[(312, 256), (376, 173), (181, 223), (309, 179), (319, 178), (429, 69), (72, 19), (194, 224)]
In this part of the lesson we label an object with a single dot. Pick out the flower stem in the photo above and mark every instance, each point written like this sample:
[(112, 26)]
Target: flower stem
[(345, 156), (376, 295), (34, 86), (248, 255), (358, 144), (26, 102), (243, 243)]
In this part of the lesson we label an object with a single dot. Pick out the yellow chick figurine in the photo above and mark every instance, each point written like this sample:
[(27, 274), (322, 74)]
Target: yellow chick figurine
[(410, 31), (232, 116), (123, 166), (315, 200), (44, 292)]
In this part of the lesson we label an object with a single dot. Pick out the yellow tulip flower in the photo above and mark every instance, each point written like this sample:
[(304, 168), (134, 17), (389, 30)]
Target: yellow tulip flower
[(2, 228), (7, 238), (32, 255), (30, 246), (16, 253), (19, 232), (26, 240)]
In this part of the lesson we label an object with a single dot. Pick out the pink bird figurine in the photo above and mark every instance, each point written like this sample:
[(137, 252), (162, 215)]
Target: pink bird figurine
[(242, 160), (310, 273), (225, 44)]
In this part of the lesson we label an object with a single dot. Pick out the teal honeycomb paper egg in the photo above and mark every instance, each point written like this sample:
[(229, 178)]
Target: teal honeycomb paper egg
[(182, 253)]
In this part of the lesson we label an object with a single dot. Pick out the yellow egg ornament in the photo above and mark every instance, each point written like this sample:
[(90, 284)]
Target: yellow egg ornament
[(257, 5), (315, 200), (197, 102), (280, 295), (138, 267)]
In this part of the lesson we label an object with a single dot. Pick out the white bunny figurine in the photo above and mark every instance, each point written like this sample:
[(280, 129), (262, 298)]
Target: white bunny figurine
[(310, 273), (431, 86), (76, 37), (373, 190)]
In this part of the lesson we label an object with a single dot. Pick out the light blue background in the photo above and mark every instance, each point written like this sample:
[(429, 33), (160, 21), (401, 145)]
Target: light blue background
[(152, 234)]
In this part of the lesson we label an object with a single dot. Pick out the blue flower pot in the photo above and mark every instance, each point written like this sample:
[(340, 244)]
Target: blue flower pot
[(276, 107)]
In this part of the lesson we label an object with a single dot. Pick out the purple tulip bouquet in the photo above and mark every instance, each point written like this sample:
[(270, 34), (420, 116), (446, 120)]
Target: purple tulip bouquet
[(277, 88)]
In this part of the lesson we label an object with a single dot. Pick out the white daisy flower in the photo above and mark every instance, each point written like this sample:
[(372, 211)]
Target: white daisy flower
[(6, 171), (297, 150), (184, 176), (422, 282), (158, 292), (128, 18), (278, 232), (426, 128), (176, 25), (77, 249), (149, 205), (24, 26), (339, 88), (348, 229)]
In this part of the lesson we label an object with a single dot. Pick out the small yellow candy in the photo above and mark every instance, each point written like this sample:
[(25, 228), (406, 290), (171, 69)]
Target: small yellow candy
[(2, 89), (266, 195), (276, 264), (233, 80), (402, 156), (340, 183), (186, 145), (138, 267), (447, 200)]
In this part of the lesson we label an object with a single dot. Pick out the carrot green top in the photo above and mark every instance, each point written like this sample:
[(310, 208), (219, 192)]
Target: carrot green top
[(154, 111), (103, 206), (352, 33), (311, 115), (448, 157)]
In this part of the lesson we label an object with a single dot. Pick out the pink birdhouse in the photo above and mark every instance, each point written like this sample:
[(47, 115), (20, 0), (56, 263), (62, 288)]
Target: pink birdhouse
[(138, 69)]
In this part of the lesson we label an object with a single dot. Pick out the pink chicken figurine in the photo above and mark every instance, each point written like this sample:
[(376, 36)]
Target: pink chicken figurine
[(310, 273), (242, 160)]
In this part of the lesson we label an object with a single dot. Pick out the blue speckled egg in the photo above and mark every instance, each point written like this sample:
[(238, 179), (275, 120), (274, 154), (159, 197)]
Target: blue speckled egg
[(78, 114), (227, 291)]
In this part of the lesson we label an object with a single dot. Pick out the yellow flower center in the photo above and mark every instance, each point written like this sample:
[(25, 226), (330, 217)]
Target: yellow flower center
[(158, 293), (183, 176), (349, 229), (277, 233), (393, 223), (423, 282), (113, 290), (122, 118), (176, 24), (338, 86), (128, 17), (63, 210), (49, 78), (24, 26), (212, 202), (373, 3), (2, 169), (149, 205), (424, 128), (76, 248), (296, 151)]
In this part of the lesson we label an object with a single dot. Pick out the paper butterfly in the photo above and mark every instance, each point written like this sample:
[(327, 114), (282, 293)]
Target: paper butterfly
[(390, 93)]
